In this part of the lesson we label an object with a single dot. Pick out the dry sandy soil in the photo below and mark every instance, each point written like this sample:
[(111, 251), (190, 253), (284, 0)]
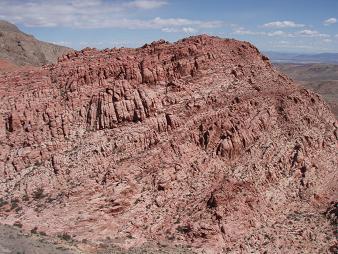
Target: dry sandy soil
[(14, 240)]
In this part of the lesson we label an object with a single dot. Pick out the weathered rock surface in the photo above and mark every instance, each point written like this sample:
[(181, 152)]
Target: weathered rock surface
[(23, 49), (198, 143)]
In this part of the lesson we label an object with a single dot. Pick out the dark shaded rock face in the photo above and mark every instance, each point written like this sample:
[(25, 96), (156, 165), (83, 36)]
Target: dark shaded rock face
[(198, 143), (23, 49)]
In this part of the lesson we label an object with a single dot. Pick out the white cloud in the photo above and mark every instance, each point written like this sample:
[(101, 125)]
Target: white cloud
[(106, 43), (283, 24), (96, 43), (300, 45), (146, 4), (63, 43), (277, 33), (159, 22), (284, 42), (311, 33), (212, 24), (308, 32), (187, 30), (327, 40), (294, 46), (243, 31), (330, 21), (282, 34), (170, 30), (93, 14)]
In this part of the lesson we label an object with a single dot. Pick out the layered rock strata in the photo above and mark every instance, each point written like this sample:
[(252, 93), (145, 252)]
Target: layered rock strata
[(200, 143)]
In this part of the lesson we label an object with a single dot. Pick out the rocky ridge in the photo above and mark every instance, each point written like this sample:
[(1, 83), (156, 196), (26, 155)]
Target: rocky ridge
[(198, 143)]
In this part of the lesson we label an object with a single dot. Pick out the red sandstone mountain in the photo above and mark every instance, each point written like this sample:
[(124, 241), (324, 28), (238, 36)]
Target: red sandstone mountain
[(199, 143)]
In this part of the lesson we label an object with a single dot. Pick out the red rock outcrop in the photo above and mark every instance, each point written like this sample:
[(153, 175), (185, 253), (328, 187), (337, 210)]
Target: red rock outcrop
[(198, 143)]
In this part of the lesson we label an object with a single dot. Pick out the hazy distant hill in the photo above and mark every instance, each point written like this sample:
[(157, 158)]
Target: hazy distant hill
[(23, 49), (322, 78), (279, 57)]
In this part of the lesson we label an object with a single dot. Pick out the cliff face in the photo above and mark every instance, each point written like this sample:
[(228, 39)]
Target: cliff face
[(199, 143), (23, 49)]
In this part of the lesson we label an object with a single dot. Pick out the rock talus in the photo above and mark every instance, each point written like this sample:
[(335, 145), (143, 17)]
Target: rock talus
[(200, 142)]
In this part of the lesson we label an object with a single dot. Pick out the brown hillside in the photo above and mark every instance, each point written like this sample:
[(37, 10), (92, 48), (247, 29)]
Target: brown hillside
[(23, 49)]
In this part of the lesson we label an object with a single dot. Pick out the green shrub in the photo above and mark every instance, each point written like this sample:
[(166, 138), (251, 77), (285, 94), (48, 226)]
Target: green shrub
[(42, 233), (65, 236), (14, 203), (38, 194), (34, 230), (17, 224), (3, 202)]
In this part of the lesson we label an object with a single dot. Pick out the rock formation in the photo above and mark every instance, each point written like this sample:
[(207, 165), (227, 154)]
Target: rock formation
[(200, 143), (23, 49)]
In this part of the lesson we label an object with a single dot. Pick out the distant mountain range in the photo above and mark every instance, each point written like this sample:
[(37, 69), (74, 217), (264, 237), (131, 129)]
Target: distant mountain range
[(319, 77), (21, 49), (279, 57)]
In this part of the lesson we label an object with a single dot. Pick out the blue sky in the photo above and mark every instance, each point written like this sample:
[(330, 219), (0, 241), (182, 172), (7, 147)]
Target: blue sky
[(276, 25)]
